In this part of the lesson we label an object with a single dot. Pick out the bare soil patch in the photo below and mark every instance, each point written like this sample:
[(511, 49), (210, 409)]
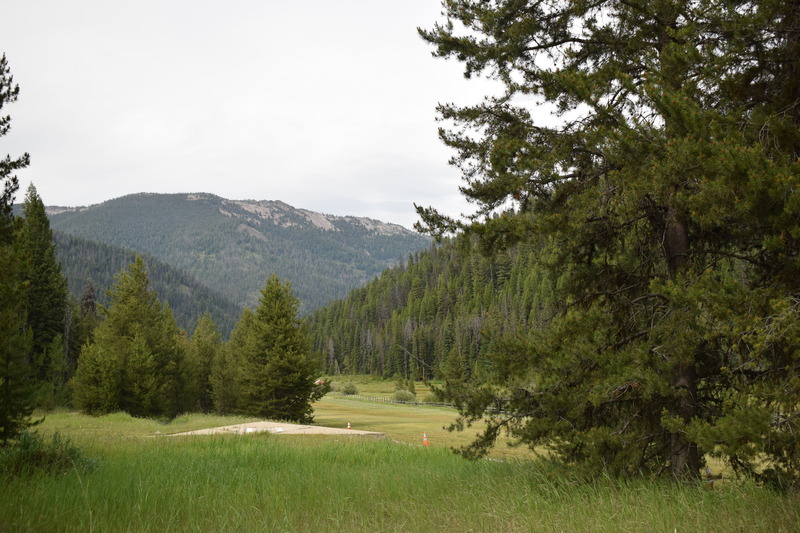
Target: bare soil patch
[(281, 428)]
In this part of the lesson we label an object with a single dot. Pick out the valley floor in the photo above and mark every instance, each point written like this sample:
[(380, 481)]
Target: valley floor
[(262, 481)]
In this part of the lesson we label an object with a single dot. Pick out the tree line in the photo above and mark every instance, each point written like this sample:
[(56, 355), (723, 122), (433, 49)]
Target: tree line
[(140, 362)]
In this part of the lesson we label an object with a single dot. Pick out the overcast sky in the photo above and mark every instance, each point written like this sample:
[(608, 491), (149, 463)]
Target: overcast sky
[(326, 105)]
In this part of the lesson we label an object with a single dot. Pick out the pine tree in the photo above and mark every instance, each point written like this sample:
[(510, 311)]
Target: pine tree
[(279, 370), (227, 368), (97, 380), (134, 362), (666, 194), (16, 383), (16, 391), (47, 287), (8, 94), (205, 344), (84, 321)]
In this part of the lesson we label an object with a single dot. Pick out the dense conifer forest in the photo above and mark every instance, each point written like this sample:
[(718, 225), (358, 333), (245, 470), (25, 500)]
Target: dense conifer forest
[(447, 302), (90, 263)]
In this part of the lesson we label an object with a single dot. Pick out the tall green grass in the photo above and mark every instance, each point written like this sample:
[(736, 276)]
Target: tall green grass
[(264, 482)]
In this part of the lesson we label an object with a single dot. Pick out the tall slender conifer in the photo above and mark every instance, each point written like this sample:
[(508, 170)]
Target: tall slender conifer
[(16, 391)]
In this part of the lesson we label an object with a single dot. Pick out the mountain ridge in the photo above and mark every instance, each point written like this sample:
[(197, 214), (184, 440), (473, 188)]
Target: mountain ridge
[(276, 210), (232, 246)]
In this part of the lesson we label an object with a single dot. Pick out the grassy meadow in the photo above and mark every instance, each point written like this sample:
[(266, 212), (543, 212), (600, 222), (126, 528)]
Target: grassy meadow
[(148, 481), (406, 424)]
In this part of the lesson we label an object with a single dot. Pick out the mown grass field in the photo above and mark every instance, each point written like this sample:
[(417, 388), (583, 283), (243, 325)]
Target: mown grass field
[(374, 386), (146, 481), (405, 424)]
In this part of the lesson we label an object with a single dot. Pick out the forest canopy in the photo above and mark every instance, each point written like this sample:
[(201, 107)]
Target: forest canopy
[(666, 199)]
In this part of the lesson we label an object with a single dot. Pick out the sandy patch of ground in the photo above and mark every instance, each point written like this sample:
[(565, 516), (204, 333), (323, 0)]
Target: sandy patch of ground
[(281, 428)]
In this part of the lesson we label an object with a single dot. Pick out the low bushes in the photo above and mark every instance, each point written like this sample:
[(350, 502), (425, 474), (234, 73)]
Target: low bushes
[(349, 388), (404, 396), (32, 453)]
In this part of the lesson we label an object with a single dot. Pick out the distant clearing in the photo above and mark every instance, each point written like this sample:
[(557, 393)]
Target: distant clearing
[(407, 424)]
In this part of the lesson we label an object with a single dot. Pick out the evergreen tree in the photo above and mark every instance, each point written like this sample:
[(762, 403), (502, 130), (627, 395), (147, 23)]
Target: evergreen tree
[(135, 361), (16, 383), (667, 195), (279, 370), (97, 380), (16, 391), (84, 321), (205, 344), (47, 287), (227, 366), (8, 94), (383, 328)]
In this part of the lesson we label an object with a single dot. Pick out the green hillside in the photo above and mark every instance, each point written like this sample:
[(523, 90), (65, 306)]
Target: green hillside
[(232, 246), (448, 302), (84, 261)]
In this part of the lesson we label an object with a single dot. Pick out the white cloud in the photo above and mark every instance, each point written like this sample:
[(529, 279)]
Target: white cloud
[(325, 105)]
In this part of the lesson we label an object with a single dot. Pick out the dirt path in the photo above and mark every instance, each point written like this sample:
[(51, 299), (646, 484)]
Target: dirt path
[(281, 428)]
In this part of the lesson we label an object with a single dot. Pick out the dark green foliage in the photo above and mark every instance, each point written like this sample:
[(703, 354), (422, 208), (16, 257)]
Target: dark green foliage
[(135, 363), (82, 322), (266, 369), (228, 365), (95, 264), (55, 372), (423, 319), (229, 245), (8, 94), (277, 369), (666, 200), (46, 288), (203, 349), (16, 382), (16, 390)]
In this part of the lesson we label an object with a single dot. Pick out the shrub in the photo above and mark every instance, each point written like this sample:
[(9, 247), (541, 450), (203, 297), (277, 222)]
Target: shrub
[(30, 453), (404, 396), (431, 397), (349, 388)]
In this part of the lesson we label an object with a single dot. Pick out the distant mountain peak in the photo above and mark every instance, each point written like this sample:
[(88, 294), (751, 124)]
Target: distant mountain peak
[(282, 214), (231, 245), (275, 211)]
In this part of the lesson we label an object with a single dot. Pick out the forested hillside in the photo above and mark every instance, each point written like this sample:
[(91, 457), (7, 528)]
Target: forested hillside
[(449, 302), (87, 262), (233, 246)]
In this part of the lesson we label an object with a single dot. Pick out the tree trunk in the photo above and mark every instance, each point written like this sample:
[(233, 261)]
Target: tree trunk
[(684, 455), (675, 242)]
